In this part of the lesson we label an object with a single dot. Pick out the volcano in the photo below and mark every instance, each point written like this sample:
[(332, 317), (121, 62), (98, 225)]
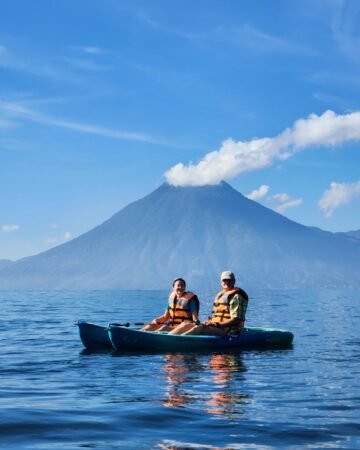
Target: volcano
[(194, 233)]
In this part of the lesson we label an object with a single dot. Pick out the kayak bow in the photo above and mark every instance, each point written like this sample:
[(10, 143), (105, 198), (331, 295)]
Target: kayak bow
[(94, 337)]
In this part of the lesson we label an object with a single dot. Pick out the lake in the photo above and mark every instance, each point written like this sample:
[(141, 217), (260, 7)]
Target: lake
[(55, 395)]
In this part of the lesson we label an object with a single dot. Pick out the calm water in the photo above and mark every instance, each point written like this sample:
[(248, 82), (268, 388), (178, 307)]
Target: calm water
[(54, 395)]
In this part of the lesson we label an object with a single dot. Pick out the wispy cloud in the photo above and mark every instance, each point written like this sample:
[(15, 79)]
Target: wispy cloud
[(259, 193), (234, 158), (60, 68), (244, 36), (58, 239), (345, 104), (20, 111), (249, 37), (91, 49), (281, 202), (335, 79), (86, 64), (51, 241), (337, 195), (9, 228), (345, 28), (89, 58), (145, 18), (28, 62)]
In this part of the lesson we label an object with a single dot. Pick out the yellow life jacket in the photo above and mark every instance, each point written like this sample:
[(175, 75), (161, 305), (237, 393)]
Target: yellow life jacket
[(179, 308), (221, 309)]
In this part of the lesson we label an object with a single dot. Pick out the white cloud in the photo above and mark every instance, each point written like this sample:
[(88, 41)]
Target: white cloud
[(328, 129), (10, 228), (281, 202), (259, 193), (234, 158), (67, 236), (338, 194)]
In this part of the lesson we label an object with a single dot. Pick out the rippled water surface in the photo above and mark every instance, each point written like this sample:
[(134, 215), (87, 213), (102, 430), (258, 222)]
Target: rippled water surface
[(54, 395)]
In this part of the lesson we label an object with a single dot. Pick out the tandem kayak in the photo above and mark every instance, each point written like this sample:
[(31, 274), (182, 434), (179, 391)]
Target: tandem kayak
[(94, 337), (126, 339)]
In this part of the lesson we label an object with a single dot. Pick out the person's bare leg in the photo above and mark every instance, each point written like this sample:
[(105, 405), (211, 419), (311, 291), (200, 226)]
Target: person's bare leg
[(152, 327), (205, 330), (182, 328), (165, 328)]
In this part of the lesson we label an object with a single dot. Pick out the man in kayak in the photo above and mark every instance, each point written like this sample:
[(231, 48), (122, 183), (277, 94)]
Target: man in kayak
[(228, 315), (183, 307)]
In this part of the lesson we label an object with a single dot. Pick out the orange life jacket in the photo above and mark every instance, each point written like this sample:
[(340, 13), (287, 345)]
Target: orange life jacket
[(221, 309), (179, 308)]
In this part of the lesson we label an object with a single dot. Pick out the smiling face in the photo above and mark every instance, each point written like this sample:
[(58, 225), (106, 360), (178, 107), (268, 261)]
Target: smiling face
[(179, 287)]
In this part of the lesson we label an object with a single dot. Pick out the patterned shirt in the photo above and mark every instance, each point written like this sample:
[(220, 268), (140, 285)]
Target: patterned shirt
[(238, 307)]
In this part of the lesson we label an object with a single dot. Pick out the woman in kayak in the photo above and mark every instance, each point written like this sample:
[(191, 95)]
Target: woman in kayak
[(228, 315), (183, 307)]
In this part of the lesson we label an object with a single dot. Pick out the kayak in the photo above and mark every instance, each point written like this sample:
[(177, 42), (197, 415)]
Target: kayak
[(94, 337), (127, 339), (122, 338)]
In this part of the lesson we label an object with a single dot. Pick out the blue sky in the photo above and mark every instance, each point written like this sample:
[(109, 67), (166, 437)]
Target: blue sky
[(102, 101)]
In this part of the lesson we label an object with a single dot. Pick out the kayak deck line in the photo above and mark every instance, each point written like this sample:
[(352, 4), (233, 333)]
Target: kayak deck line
[(135, 340)]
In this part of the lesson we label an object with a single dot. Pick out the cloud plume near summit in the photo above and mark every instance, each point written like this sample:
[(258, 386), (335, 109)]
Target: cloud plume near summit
[(236, 157)]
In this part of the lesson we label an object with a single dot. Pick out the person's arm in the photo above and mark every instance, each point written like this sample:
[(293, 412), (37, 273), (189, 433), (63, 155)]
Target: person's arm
[(229, 323), (193, 310), (162, 319)]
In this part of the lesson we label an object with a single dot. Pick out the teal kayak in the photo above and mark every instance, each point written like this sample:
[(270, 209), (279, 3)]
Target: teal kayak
[(94, 337), (127, 339)]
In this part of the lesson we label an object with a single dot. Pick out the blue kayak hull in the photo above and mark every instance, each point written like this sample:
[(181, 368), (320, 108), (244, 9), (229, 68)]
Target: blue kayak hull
[(94, 337), (125, 339)]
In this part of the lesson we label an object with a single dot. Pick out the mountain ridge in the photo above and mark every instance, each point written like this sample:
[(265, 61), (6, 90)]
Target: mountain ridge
[(193, 232)]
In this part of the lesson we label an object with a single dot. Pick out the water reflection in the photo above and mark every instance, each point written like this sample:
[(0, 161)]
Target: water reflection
[(226, 398), (221, 375), (179, 369)]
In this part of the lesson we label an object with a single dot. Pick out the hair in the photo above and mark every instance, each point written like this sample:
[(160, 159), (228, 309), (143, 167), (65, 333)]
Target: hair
[(179, 279)]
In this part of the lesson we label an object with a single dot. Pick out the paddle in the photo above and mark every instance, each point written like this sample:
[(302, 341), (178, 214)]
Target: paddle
[(127, 324), (137, 324)]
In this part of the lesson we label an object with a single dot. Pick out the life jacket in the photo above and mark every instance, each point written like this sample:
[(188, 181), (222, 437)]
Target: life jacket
[(221, 309), (179, 307)]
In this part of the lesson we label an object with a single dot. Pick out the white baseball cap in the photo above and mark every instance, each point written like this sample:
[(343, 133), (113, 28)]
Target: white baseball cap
[(227, 275)]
